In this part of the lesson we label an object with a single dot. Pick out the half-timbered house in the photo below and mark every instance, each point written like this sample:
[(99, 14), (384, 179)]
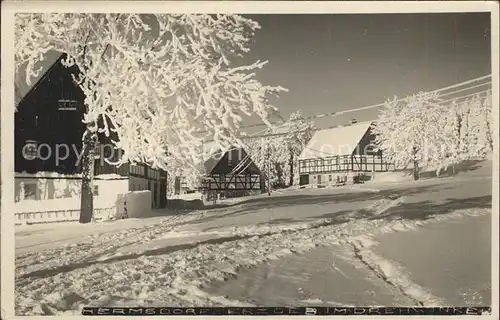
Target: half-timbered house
[(48, 143), (229, 172), (345, 152)]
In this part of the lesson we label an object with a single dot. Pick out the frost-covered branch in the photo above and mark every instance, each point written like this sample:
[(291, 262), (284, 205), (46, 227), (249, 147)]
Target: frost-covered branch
[(280, 151), (153, 79)]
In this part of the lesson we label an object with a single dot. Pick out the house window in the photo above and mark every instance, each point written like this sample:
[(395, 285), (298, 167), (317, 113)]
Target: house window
[(330, 177), (371, 148), (67, 105), (153, 174), (230, 156), (30, 191), (136, 169), (95, 191), (30, 150)]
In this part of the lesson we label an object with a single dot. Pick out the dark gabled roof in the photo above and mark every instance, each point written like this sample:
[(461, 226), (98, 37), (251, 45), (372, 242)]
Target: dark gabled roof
[(21, 88), (212, 158)]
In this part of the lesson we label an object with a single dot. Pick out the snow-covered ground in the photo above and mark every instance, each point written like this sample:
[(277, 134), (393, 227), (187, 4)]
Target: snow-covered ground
[(456, 268), (311, 246)]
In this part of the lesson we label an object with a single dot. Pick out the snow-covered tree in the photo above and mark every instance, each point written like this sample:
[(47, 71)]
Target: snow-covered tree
[(151, 80), (298, 135), (480, 138), (189, 177), (407, 130), (170, 184), (476, 126), (488, 114), (448, 150), (422, 130), (267, 154), (466, 134), (280, 148), (21, 195)]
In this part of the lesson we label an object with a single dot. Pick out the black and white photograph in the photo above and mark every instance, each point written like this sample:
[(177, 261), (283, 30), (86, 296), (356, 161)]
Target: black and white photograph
[(175, 161)]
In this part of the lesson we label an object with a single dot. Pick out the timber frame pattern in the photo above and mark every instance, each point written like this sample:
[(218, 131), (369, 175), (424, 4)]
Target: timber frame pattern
[(231, 182), (223, 174), (345, 163)]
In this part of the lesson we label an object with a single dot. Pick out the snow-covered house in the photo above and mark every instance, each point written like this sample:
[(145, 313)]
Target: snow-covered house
[(48, 142), (232, 172), (340, 153), (227, 170)]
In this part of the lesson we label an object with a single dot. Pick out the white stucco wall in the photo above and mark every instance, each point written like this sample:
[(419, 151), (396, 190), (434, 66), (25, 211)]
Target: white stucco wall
[(48, 188), (325, 178), (111, 188), (53, 186), (58, 197), (137, 184), (138, 204)]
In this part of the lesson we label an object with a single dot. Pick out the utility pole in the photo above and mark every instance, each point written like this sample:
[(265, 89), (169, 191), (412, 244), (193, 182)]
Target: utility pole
[(268, 170)]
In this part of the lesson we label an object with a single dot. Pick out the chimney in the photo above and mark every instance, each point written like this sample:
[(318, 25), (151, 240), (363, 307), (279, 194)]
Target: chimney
[(353, 121)]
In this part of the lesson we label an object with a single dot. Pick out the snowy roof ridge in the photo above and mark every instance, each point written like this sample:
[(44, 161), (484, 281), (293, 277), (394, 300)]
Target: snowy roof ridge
[(340, 140)]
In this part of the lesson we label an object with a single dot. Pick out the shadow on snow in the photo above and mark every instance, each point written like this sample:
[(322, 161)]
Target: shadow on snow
[(266, 203)]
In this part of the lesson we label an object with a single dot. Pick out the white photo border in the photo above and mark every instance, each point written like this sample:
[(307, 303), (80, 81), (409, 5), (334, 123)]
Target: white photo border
[(9, 8)]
